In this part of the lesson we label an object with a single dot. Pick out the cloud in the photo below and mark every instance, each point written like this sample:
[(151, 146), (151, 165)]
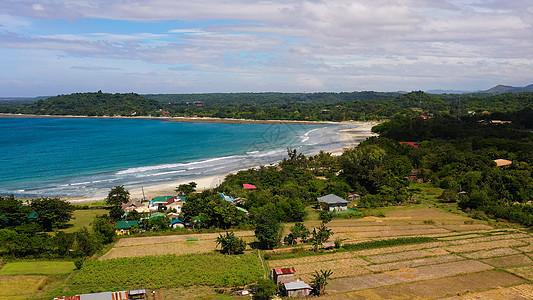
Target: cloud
[(311, 44)]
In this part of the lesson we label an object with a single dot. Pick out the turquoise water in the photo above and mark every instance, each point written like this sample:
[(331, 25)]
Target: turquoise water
[(70, 157)]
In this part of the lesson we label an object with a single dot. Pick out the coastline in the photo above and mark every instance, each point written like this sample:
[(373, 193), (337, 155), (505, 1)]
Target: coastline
[(175, 119), (351, 137)]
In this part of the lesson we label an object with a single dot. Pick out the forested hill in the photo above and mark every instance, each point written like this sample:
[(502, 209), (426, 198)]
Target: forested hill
[(223, 99), (90, 104), (362, 106)]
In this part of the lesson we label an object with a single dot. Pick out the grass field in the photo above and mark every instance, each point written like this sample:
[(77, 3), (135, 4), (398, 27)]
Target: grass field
[(37, 268), (81, 218), (20, 287)]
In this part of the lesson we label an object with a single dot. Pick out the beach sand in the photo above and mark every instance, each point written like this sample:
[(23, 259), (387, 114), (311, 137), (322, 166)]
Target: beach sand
[(351, 137)]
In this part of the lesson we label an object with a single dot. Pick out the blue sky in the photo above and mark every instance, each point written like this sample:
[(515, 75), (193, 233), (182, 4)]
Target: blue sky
[(166, 46)]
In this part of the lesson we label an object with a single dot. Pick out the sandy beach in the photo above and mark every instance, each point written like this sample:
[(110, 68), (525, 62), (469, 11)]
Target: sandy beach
[(351, 137)]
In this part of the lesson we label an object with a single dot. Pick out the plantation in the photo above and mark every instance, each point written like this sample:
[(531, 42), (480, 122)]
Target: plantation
[(154, 272)]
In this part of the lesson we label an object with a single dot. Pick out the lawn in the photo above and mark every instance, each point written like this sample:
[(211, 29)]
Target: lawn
[(37, 268), (81, 218)]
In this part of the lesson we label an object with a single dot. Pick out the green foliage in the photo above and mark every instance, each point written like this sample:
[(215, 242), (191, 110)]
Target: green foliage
[(320, 280), (186, 189), (265, 289), (78, 262), (195, 269), (325, 216), (51, 212), (268, 229), (388, 243), (118, 195), (104, 228), (230, 244), (320, 236)]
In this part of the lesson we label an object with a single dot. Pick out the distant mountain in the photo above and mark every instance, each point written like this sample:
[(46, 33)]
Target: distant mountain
[(500, 89)]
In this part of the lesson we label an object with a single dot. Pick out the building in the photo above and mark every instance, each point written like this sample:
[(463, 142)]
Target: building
[(132, 205), (502, 162), (354, 196), (124, 227), (333, 202), (177, 223), (122, 295), (297, 289), (281, 275)]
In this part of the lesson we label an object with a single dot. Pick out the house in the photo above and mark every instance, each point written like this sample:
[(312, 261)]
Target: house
[(122, 295), (177, 223), (159, 202), (175, 203), (333, 202), (412, 144), (124, 227), (173, 215), (228, 198), (502, 162), (281, 275), (132, 205), (297, 289), (354, 196)]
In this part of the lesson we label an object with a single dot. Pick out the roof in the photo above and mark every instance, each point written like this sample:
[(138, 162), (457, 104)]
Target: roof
[(176, 221), (296, 285), (161, 199), (248, 186), (127, 224), (332, 199), (282, 271), (412, 144), (134, 203), (157, 215), (502, 162)]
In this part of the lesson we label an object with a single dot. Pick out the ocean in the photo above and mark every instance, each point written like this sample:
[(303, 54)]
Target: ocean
[(83, 157)]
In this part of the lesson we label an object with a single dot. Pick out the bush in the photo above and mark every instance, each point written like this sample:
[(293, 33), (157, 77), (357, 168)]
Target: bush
[(265, 288), (78, 263)]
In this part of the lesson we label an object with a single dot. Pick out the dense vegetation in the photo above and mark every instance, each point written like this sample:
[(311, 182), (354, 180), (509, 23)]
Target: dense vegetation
[(279, 106), (25, 230)]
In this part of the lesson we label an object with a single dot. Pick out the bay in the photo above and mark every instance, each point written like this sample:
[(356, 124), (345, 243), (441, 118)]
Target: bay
[(82, 157)]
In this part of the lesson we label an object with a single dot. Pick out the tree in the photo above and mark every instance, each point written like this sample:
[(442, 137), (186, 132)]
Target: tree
[(320, 280), (325, 216), (265, 288), (298, 231), (117, 196), (186, 189), (13, 212), (230, 244), (321, 236), (116, 213), (51, 212), (267, 228), (104, 228)]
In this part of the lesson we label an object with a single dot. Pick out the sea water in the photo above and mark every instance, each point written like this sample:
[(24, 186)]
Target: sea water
[(83, 157)]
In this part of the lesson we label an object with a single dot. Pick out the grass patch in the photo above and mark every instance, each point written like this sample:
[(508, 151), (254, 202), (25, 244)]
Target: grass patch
[(83, 218), (389, 243), (20, 287), (37, 268), (166, 271)]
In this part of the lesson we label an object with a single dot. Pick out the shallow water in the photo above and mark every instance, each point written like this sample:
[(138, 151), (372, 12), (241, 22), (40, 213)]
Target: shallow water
[(85, 157)]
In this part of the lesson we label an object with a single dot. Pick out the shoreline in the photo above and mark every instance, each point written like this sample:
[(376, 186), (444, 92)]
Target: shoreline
[(177, 119), (351, 137)]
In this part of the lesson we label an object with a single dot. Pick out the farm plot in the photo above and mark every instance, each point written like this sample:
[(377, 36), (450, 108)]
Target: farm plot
[(37, 268), (406, 275), (21, 286), (508, 261), (522, 291), (414, 263), (491, 253), (439, 287), (167, 271), (406, 255), (172, 244), (485, 245)]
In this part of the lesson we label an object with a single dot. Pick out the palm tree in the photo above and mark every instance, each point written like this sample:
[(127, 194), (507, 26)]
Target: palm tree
[(320, 280)]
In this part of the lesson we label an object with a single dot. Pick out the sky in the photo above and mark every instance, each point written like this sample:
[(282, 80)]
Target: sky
[(52, 47)]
